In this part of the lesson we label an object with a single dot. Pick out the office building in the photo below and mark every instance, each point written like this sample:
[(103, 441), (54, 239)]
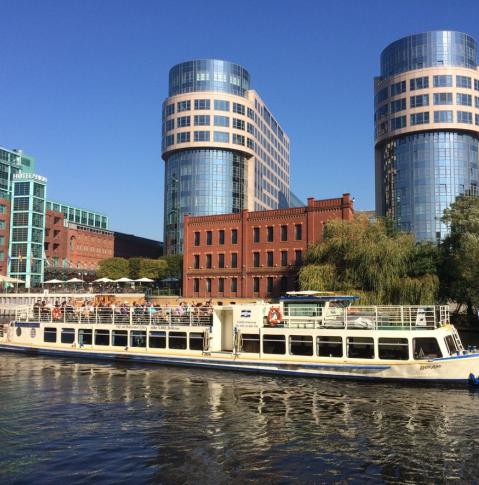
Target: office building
[(131, 246), (254, 254), (223, 149), (426, 129)]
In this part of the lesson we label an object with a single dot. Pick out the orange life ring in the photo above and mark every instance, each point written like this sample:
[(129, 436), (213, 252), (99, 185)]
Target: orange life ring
[(274, 315), (56, 313)]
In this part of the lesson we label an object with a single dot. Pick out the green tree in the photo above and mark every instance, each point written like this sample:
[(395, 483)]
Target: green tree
[(152, 268), (459, 270), (113, 268), (134, 268), (174, 266), (369, 259)]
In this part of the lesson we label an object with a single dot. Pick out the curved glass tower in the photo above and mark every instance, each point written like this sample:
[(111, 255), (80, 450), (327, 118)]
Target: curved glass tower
[(426, 129), (223, 149)]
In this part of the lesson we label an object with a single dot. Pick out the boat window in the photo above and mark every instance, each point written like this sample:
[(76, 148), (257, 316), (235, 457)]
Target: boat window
[(196, 340), (426, 348), (361, 347), (68, 335), (102, 337), (50, 334), (274, 344), (250, 343), (177, 340), (157, 340), (451, 345), (303, 309), (138, 338), (393, 348), (85, 336), (330, 346), (301, 345), (119, 338)]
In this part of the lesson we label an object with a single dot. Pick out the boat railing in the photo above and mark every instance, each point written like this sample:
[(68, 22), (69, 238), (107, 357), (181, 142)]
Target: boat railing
[(390, 317), (161, 315)]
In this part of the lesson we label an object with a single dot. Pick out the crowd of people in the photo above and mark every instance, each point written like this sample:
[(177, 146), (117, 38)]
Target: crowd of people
[(101, 311)]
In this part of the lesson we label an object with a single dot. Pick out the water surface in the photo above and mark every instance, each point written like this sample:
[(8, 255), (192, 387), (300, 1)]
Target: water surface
[(82, 421)]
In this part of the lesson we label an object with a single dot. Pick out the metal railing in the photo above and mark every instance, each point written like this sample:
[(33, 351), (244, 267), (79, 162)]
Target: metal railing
[(390, 317), (121, 315)]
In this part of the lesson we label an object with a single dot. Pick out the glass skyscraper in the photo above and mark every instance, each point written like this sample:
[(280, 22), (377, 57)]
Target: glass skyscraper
[(223, 149), (426, 129)]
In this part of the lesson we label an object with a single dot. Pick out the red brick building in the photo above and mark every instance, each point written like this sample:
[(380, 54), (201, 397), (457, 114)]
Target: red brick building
[(70, 245), (253, 254)]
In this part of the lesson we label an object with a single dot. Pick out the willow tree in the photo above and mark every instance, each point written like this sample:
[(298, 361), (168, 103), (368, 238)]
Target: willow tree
[(369, 259)]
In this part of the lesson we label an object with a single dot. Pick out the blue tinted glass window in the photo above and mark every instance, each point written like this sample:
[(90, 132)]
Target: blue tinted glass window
[(442, 81), (202, 136), (239, 108), (183, 137), (418, 101), (381, 95), (464, 117), (221, 136), (399, 122), (221, 105), (202, 120), (202, 104), (398, 105), (463, 82), (464, 99), (238, 124), (443, 117), (442, 98), (419, 83), (183, 121), (238, 139), (398, 88), (170, 109), (222, 120), (184, 106), (170, 124), (170, 139)]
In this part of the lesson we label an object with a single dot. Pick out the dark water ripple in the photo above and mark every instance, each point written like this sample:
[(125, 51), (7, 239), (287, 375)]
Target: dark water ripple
[(79, 422)]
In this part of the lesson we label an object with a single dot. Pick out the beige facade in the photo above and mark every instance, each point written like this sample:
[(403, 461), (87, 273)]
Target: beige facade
[(242, 128), (385, 114)]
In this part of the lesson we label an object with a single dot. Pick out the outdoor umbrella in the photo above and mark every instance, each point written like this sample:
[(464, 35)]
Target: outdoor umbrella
[(145, 280), (9, 279), (103, 280), (74, 280), (123, 280), (170, 280), (53, 282)]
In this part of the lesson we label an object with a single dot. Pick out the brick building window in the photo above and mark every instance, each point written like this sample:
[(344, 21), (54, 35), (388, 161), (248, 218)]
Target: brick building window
[(270, 232), (234, 236), (234, 285), (256, 259), (283, 284), (196, 285), (209, 238), (298, 233), (284, 233), (269, 258), (208, 285), (221, 285), (222, 237), (208, 260), (284, 258), (256, 234), (270, 284), (197, 261), (197, 238), (298, 257), (256, 285), (221, 260), (234, 260)]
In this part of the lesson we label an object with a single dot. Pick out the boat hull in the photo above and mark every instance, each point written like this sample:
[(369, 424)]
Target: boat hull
[(447, 370)]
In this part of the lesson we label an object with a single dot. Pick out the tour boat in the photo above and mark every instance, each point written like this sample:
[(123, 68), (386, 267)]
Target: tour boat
[(304, 334)]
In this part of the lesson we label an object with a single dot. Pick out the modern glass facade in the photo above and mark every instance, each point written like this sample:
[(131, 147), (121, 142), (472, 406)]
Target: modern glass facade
[(223, 149), (77, 215), (429, 49), (202, 182), (27, 234), (208, 75), (426, 129)]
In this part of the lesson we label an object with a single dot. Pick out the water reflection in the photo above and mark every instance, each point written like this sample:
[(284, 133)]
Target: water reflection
[(80, 421)]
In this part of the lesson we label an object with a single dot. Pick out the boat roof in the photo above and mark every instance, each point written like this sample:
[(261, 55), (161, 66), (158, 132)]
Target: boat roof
[(316, 296)]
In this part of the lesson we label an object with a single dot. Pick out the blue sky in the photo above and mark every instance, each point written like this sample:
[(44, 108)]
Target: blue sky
[(82, 82)]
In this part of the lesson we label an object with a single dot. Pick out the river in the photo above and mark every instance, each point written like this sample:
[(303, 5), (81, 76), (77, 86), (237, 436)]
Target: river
[(82, 421)]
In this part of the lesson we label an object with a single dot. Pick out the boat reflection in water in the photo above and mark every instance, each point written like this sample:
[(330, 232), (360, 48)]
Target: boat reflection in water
[(80, 421)]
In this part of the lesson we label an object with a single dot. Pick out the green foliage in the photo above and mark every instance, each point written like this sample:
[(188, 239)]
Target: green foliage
[(459, 269), (113, 268), (152, 268), (134, 265), (371, 260), (174, 266)]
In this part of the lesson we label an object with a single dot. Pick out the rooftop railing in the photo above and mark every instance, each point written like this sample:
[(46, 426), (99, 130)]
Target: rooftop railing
[(366, 317), (159, 315)]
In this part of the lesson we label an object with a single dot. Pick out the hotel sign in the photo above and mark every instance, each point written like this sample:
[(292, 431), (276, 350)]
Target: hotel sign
[(29, 176)]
